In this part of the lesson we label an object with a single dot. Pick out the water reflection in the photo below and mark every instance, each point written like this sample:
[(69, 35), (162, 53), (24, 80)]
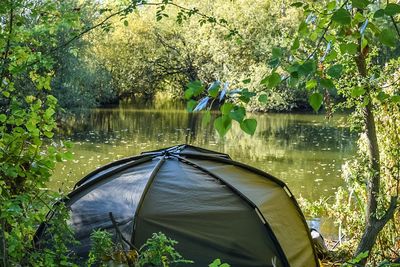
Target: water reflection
[(306, 151)]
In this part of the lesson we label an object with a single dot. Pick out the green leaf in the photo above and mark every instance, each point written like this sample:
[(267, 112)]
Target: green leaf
[(126, 23), (206, 118), (245, 95), (222, 124), (214, 89), (379, 13), (49, 113), (293, 81), (195, 88), (388, 38), (296, 44), (395, 99), (313, 36), (342, 16), (3, 118), (190, 105), (335, 71), (297, 4), (265, 80), (364, 43), (307, 68), (263, 98), (311, 84), (277, 52), (365, 101), (349, 48), (359, 3), (215, 263), (392, 9), (68, 155), (331, 56), (327, 83), (303, 29), (360, 257), (358, 18), (315, 101), (48, 134), (188, 93), (274, 80), (226, 108), (357, 91), (68, 144), (249, 126), (247, 81), (331, 5), (30, 126), (237, 114), (274, 62), (382, 96)]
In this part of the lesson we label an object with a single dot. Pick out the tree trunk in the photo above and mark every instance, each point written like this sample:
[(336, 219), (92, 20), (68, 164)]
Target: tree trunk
[(373, 225)]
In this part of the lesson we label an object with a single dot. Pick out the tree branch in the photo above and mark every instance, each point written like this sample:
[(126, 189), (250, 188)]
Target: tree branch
[(92, 28), (320, 40), (8, 46), (323, 34), (119, 234), (389, 212), (395, 25)]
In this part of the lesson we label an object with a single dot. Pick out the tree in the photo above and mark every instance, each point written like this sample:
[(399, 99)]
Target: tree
[(341, 47), (27, 124), (146, 56)]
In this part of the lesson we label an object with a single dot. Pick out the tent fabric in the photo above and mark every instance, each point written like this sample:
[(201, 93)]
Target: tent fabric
[(195, 219), (275, 205), (213, 206)]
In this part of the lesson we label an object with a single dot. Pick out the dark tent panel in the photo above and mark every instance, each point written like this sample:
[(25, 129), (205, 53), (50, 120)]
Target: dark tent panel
[(195, 219), (213, 206)]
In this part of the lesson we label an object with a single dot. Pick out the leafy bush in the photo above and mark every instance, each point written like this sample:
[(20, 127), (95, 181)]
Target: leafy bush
[(157, 251)]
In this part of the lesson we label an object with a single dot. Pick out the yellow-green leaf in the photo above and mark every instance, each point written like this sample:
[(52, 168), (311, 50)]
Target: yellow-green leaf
[(249, 126), (315, 101)]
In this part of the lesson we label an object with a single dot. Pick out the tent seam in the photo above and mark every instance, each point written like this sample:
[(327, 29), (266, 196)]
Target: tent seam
[(145, 191)]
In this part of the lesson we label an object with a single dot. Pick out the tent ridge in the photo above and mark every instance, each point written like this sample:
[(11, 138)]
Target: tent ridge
[(235, 163), (246, 199), (145, 190)]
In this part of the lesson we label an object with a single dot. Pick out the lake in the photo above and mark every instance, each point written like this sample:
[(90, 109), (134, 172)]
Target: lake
[(306, 151)]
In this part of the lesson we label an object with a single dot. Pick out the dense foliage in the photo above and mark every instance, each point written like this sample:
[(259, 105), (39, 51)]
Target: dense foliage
[(28, 36), (145, 56)]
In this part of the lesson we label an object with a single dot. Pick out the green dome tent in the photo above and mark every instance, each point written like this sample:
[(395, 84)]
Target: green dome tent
[(213, 206)]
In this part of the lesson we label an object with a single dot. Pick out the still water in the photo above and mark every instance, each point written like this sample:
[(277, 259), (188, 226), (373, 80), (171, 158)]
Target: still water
[(305, 151)]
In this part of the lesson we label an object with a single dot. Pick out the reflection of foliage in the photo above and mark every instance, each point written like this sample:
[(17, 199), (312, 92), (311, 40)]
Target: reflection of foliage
[(310, 168)]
